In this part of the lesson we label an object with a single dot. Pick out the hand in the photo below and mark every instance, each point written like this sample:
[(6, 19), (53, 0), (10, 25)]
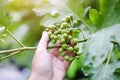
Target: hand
[(48, 66)]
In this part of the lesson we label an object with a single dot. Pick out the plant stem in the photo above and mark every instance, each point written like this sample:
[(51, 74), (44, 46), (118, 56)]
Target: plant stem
[(22, 45), (7, 56), (32, 48), (80, 41), (18, 50), (108, 59), (24, 48)]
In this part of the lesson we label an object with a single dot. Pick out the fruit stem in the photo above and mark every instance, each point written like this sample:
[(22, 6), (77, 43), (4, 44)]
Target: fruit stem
[(18, 50), (33, 48), (22, 45)]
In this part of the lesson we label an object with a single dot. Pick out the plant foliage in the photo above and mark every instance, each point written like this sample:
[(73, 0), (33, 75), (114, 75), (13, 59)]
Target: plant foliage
[(100, 58)]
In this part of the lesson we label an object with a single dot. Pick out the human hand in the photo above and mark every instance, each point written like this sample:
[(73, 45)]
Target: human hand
[(48, 66)]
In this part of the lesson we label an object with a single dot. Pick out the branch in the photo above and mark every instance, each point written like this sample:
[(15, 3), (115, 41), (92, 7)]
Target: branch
[(15, 38), (7, 56), (24, 48), (32, 48), (80, 41)]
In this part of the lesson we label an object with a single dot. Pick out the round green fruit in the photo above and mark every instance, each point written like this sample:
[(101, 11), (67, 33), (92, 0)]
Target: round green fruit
[(78, 53), (76, 41), (68, 19), (70, 49), (69, 37), (61, 50), (75, 23), (63, 40), (65, 35), (52, 36), (65, 25), (66, 57), (64, 46), (76, 48)]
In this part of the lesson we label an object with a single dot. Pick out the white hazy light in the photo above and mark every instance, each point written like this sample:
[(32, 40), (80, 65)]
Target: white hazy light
[(16, 16), (2, 28)]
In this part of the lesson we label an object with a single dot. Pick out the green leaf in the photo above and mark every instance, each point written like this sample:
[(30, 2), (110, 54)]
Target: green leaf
[(117, 71), (108, 15), (97, 47), (4, 19), (93, 16), (111, 72)]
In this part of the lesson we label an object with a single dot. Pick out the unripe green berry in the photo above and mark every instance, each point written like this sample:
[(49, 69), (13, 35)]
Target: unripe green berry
[(53, 41), (68, 19), (69, 37), (70, 49), (67, 31), (64, 46), (52, 27), (59, 36), (58, 25), (77, 57), (65, 35), (71, 29), (55, 37), (63, 40), (54, 14), (49, 33), (78, 20), (61, 50), (75, 52), (46, 29), (71, 17), (63, 31), (52, 36), (76, 48), (56, 32), (75, 23), (59, 31), (78, 53), (76, 41), (66, 57), (65, 25), (78, 31), (71, 59)]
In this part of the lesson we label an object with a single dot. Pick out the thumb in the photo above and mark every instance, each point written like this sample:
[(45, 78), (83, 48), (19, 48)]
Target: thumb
[(42, 45)]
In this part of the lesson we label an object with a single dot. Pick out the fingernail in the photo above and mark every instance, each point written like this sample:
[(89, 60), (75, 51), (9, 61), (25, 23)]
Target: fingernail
[(44, 34)]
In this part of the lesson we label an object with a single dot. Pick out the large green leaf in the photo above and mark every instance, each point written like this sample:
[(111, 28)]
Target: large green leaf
[(108, 15), (109, 72), (98, 47)]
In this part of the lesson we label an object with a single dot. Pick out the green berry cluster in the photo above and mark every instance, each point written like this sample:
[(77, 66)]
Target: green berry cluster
[(63, 32)]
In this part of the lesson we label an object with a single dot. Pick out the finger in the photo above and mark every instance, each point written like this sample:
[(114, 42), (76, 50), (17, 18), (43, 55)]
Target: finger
[(43, 42), (66, 63), (55, 52)]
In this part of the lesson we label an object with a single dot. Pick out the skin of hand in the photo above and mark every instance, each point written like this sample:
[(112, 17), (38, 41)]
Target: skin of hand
[(48, 66)]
